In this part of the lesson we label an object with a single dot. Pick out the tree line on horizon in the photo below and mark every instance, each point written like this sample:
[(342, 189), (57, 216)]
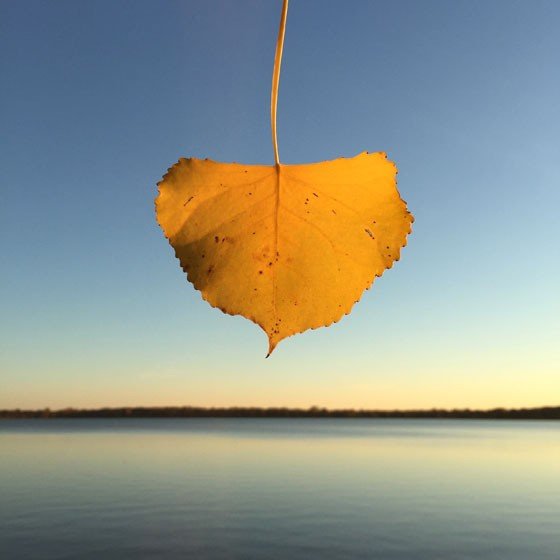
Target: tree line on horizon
[(541, 413)]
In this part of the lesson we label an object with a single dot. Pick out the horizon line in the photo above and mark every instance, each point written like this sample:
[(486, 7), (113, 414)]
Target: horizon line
[(186, 411)]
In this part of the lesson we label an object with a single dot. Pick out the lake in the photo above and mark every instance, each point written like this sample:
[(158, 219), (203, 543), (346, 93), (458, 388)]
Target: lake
[(279, 489)]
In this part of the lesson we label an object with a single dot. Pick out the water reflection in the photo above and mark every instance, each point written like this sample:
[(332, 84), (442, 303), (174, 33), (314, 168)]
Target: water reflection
[(279, 488)]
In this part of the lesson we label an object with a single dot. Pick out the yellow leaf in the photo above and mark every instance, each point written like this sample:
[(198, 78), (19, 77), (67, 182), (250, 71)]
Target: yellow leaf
[(290, 247)]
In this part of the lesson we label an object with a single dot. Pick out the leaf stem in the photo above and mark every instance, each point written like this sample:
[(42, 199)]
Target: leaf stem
[(276, 79)]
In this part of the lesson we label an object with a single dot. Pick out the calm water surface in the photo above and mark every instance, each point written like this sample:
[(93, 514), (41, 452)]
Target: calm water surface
[(279, 489)]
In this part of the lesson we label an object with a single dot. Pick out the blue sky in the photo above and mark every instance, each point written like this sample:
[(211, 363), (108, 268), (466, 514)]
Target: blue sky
[(100, 98)]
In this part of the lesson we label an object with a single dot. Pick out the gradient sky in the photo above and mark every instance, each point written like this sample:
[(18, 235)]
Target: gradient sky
[(99, 98)]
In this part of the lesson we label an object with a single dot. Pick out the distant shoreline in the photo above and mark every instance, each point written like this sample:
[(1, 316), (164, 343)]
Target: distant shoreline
[(541, 413)]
